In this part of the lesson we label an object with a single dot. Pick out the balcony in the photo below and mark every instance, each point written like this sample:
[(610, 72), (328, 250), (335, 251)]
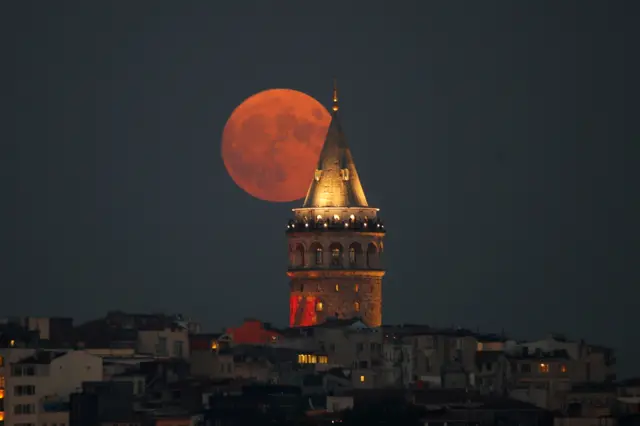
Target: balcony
[(368, 225)]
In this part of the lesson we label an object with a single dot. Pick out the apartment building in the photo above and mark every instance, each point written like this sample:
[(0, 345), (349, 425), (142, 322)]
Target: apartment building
[(43, 378), (169, 342)]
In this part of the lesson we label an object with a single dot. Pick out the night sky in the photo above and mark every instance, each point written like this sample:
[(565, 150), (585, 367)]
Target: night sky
[(499, 139)]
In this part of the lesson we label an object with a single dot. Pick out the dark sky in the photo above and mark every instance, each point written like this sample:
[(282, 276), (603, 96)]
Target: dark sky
[(496, 137)]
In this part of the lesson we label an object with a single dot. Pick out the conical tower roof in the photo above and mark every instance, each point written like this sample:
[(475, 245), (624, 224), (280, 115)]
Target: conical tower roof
[(336, 182)]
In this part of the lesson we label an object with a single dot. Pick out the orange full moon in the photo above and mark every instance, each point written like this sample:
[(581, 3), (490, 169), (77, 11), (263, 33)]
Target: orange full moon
[(272, 141)]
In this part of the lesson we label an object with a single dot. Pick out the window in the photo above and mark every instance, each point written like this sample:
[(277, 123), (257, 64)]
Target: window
[(24, 390), (178, 347), (307, 359), (161, 348), (544, 368), (16, 371), (352, 256), (24, 409), (319, 256), (525, 368), (356, 306), (359, 347), (337, 287), (1, 361), (563, 368), (319, 307), (356, 288), (361, 379), (336, 257), (1, 382), (214, 345)]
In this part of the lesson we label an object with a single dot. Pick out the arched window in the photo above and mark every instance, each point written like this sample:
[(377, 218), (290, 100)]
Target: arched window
[(355, 255), (356, 306), (319, 306), (319, 256), (336, 254), (335, 257)]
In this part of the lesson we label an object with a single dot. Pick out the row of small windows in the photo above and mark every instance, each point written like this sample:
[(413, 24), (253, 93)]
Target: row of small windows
[(24, 390), (320, 306), (356, 289), (355, 254), (24, 409), (23, 370), (312, 359)]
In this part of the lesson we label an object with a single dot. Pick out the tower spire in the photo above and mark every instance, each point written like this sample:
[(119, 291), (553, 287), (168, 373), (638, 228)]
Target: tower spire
[(336, 182), (335, 95)]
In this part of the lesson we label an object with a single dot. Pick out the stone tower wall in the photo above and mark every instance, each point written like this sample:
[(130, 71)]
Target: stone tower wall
[(335, 274)]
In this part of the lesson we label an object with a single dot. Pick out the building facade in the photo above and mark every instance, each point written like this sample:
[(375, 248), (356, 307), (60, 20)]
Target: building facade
[(335, 242), (37, 383)]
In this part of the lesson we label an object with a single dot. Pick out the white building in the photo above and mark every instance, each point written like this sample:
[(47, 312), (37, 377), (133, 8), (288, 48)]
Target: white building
[(32, 378)]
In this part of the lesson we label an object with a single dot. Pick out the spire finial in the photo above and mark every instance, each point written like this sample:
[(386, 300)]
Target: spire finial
[(335, 95)]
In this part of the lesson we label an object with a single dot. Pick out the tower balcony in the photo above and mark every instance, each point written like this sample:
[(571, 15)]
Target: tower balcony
[(332, 225)]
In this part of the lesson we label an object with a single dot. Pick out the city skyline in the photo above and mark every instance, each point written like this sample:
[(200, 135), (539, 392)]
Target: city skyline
[(498, 140)]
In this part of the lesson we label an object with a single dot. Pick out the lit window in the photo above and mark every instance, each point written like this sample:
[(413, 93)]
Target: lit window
[(336, 217), (1, 361), (319, 217), (319, 307), (336, 257), (563, 368), (356, 288), (480, 347), (12, 343), (352, 256), (544, 368), (1, 416), (214, 345), (361, 379), (337, 287), (308, 359), (356, 306), (1, 393), (319, 256), (323, 359)]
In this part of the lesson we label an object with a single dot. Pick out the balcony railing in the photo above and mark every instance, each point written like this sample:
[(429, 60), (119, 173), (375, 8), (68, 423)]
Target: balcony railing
[(364, 225)]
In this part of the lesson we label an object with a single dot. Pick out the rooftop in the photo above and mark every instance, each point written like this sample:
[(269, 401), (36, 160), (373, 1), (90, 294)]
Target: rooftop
[(336, 182), (41, 357)]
